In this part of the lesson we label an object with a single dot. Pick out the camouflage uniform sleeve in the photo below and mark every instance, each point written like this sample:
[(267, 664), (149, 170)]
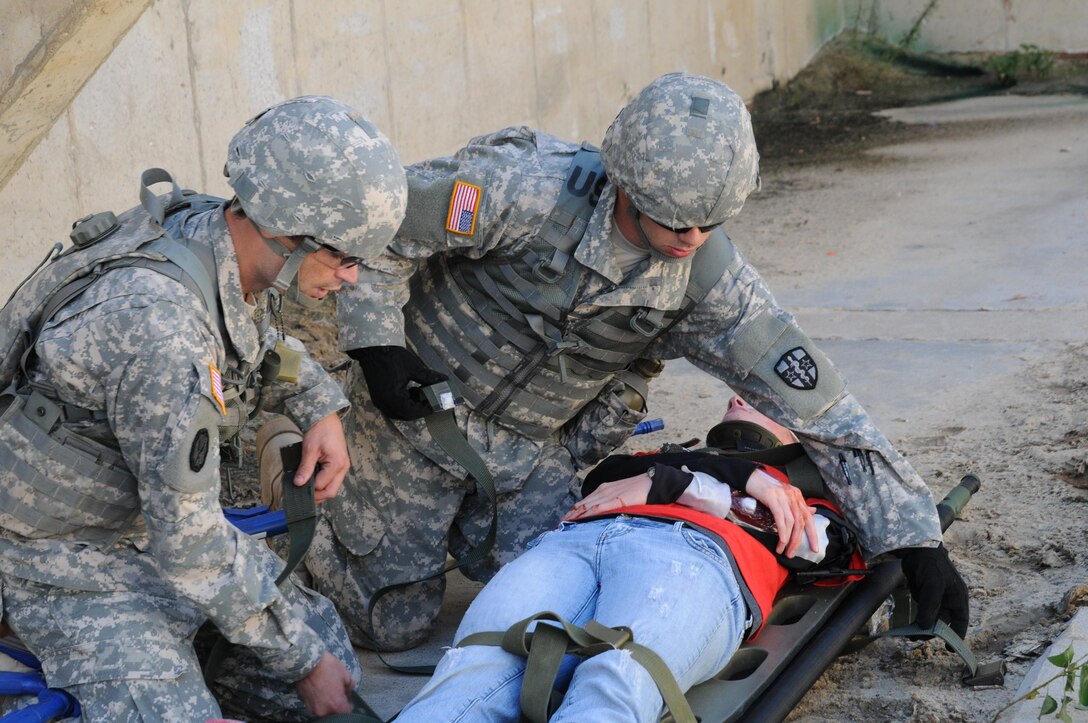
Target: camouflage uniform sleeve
[(314, 396), (741, 336), (369, 313), (162, 407)]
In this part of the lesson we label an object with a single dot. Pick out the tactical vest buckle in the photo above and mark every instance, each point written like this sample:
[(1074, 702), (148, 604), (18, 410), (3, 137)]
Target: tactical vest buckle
[(546, 272), (642, 323)]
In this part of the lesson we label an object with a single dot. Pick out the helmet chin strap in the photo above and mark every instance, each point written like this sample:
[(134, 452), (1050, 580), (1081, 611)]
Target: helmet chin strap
[(287, 278), (636, 216), (295, 294)]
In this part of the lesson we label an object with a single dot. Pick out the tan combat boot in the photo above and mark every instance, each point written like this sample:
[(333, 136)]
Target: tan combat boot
[(276, 433)]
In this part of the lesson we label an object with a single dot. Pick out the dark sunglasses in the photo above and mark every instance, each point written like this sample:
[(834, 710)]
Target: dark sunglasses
[(685, 229)]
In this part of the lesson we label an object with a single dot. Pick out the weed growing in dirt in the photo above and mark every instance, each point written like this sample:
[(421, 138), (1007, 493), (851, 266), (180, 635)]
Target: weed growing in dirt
[(1029, 60), (912, 35), (1069, 666)]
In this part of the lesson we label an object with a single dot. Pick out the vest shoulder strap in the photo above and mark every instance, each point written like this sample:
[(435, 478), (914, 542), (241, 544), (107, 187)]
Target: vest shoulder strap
[(709, 264), (569, 218)]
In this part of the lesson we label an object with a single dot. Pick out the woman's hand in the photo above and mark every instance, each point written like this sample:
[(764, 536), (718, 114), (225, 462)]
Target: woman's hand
[(612, 496), (792, 515)]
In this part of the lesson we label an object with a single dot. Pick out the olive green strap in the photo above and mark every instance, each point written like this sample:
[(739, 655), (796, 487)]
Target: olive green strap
[(549, 645), (301, 513), (442, 426), (941, 630), (443, 429), (299, 508), (545, 647)]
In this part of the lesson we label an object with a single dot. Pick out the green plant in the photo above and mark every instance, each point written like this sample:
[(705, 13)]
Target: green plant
[(1029, 59), (1069, 666)]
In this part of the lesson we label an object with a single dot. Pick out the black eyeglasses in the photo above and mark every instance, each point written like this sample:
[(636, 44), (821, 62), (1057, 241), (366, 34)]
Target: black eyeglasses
[(343, 261)]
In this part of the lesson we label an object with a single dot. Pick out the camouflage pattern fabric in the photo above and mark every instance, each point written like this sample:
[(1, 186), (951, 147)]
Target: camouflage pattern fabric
[(400, 506), (374, 535), (677, 145), (115, 621), (312, 166)]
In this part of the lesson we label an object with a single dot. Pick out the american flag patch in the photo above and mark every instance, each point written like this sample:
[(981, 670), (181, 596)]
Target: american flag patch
[(217, 388), (463, 204)]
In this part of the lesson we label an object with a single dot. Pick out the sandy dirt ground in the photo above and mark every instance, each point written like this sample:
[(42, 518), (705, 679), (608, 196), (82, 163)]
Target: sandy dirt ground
[(938, 257)]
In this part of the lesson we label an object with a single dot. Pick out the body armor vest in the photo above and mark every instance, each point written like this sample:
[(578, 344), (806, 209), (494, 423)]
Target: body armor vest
[(55, 482), (502, 327)]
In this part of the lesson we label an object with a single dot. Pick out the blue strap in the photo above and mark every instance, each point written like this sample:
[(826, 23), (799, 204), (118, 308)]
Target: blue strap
[(53, 704)]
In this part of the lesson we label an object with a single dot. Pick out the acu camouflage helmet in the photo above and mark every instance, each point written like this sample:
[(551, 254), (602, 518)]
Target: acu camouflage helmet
[(312, 166), (683, 151)]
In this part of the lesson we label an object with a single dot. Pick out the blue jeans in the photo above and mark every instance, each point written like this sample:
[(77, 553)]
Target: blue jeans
[(669, 583)]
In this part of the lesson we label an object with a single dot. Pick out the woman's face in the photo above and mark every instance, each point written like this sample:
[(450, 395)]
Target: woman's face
[(739, 411)]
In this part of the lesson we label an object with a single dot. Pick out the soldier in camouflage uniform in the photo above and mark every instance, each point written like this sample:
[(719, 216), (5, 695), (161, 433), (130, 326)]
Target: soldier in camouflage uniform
[(113, 546), (536, 282)]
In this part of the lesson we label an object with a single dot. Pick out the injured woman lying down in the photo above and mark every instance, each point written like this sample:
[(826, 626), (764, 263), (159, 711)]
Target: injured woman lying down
[(685, 549)]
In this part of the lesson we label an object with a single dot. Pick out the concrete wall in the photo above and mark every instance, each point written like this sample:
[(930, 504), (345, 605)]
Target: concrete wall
[(430, 74), (978, 25)]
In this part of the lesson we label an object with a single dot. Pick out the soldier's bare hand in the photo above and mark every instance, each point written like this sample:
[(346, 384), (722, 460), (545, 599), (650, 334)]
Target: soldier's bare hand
[(325, 449), (327, 688)]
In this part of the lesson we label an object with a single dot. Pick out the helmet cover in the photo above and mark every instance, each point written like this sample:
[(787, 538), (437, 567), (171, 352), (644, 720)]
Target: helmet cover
[(683, 151), (312, 166)]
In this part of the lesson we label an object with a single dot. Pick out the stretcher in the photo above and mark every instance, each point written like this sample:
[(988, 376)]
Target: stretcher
[(810, 626)]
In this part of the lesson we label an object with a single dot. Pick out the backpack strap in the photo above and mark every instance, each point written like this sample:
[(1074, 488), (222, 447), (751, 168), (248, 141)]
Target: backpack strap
[(193, 266)]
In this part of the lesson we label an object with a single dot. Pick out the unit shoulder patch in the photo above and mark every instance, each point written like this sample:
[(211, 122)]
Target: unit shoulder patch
[(198, 453), (798, 369), (464, 202)]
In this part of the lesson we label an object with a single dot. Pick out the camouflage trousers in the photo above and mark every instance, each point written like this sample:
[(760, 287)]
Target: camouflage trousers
[(404, 508), (128, 655)]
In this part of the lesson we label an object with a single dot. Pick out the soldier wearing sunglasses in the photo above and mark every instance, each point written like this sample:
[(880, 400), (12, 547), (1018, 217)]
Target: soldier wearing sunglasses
[(543, 279)]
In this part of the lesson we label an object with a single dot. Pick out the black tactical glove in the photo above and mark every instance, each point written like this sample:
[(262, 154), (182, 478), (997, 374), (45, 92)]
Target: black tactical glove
[(388, 371), (937, 588)]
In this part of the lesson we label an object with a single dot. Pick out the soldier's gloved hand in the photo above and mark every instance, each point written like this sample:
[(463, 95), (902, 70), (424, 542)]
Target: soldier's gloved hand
[(388, 371), (937, 587)]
